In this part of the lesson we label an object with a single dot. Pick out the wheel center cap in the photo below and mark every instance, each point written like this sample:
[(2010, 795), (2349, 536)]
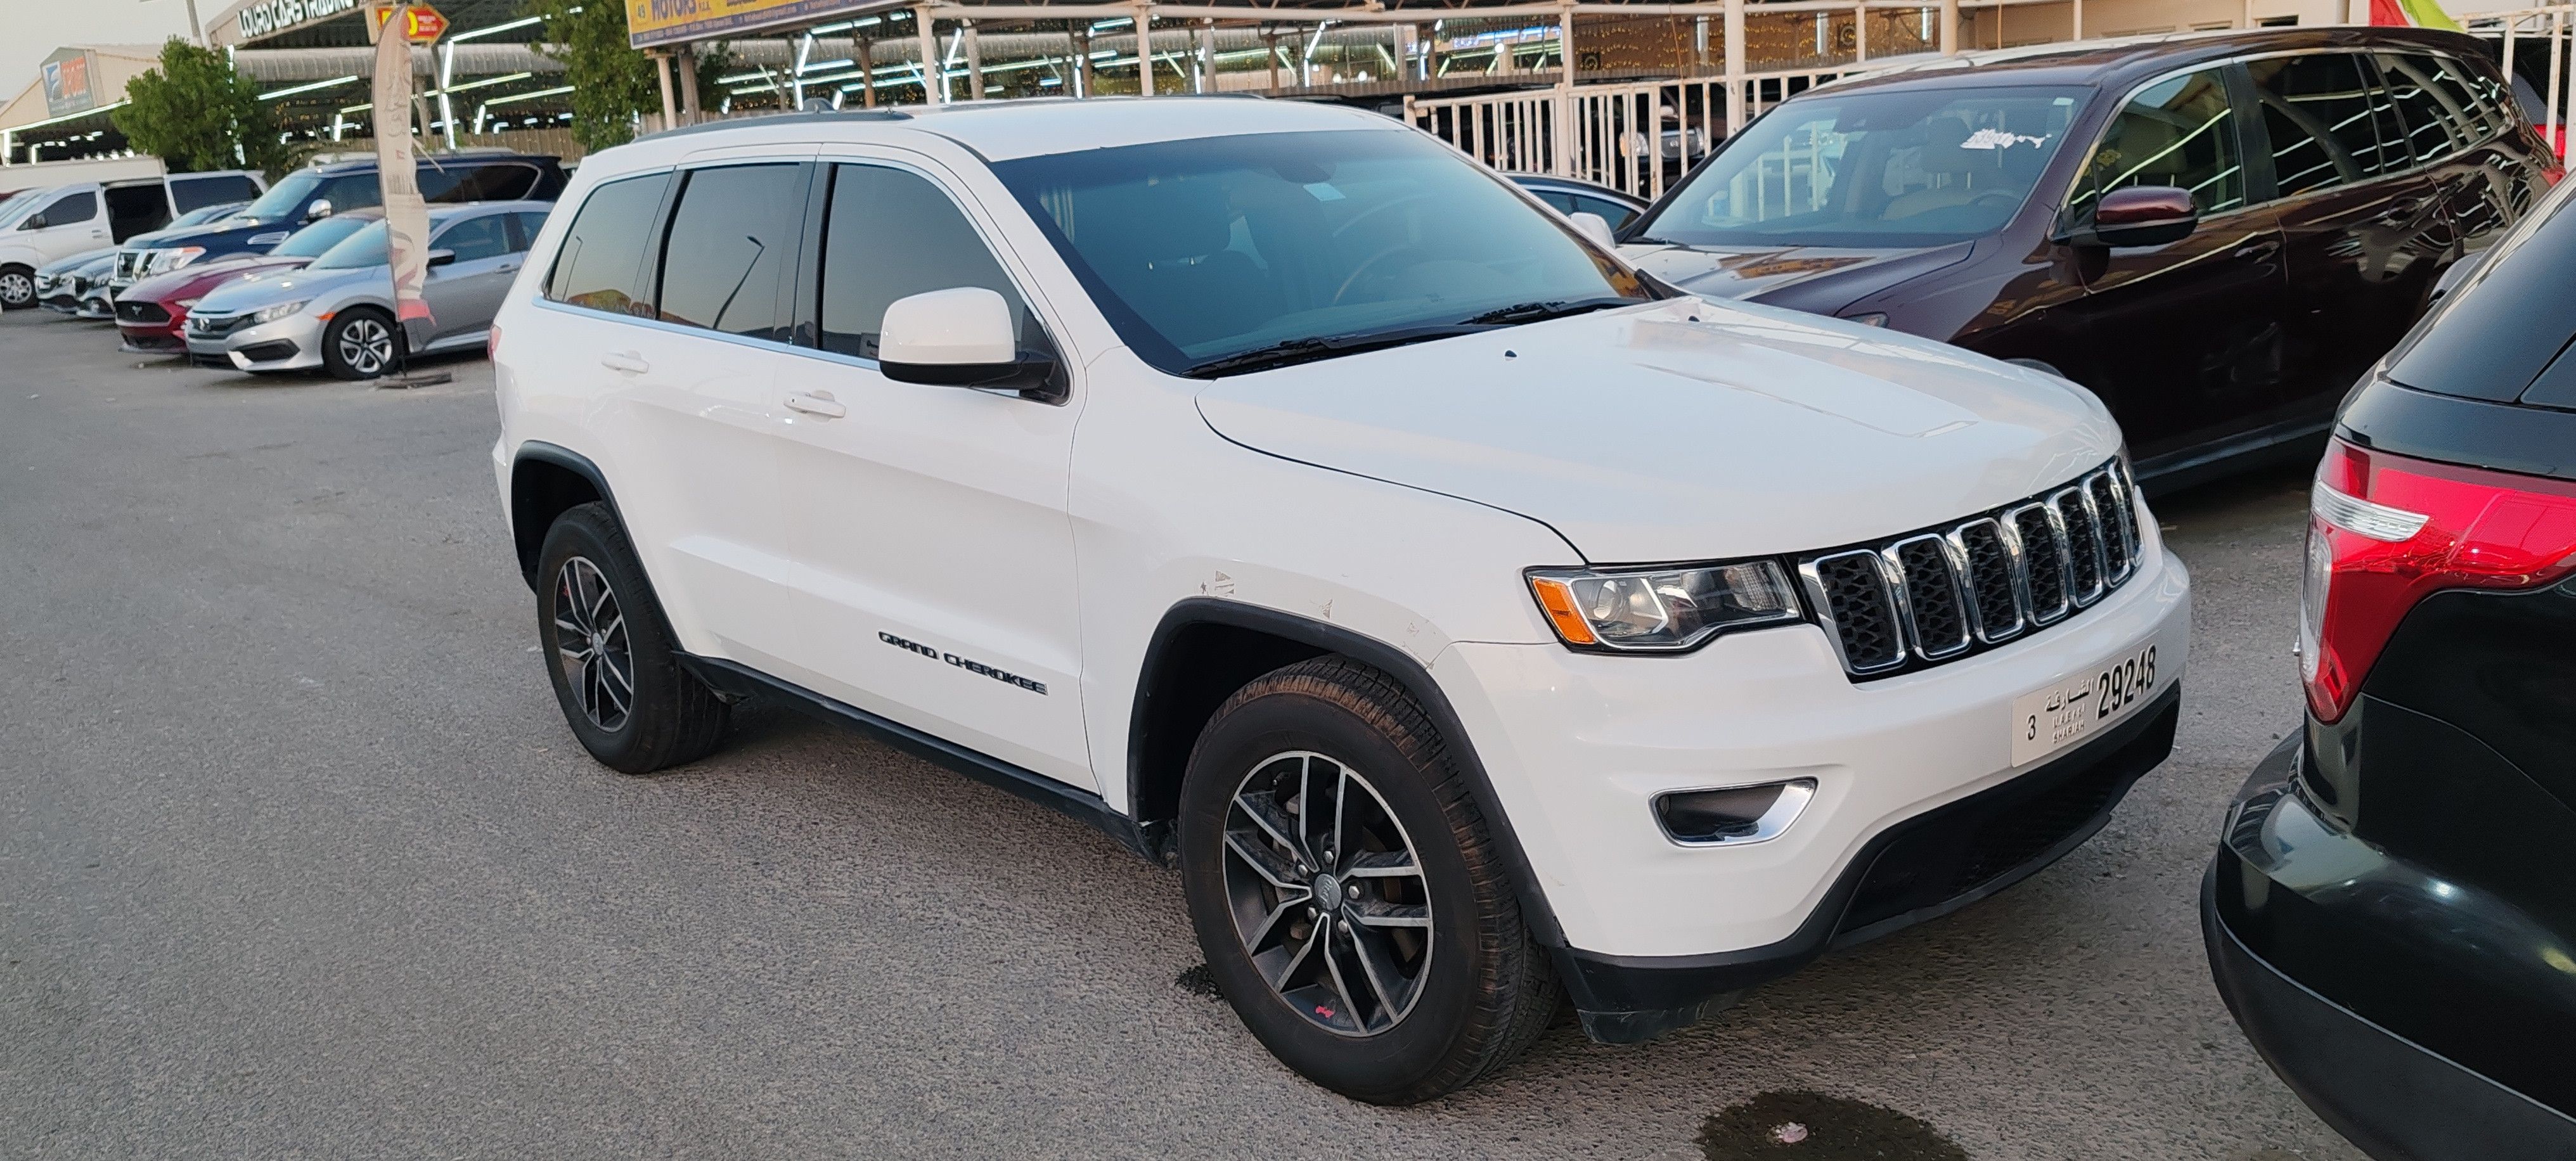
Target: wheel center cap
[(1328, 892)]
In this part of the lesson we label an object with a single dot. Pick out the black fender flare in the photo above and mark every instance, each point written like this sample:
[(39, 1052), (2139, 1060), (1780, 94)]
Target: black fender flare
[(1395, 662), (555, 455)]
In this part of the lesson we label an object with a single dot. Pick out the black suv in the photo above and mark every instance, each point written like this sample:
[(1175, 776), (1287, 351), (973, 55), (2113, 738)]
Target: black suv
[(320, 190), (2392, 912)]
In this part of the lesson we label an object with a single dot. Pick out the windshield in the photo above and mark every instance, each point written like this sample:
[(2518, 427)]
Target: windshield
[(1206, 249), (18, 206), (285, 199), (1873, 169), (320, 237), (202, 215), (365, 247)]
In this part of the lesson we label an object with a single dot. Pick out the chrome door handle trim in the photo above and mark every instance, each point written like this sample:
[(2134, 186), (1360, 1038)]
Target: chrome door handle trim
[(818, 405), (625, 361)]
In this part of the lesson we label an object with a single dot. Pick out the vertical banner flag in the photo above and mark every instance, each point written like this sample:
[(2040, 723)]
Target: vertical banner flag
[(397, 172)]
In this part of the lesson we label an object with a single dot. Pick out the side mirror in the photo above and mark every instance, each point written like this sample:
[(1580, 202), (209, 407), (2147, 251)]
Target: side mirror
[(320, 209), (441, 257), (960, 337), (1595, 227), (2138, 215)]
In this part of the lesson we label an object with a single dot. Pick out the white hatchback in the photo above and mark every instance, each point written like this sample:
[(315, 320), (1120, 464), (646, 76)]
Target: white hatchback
[(1473, 622)]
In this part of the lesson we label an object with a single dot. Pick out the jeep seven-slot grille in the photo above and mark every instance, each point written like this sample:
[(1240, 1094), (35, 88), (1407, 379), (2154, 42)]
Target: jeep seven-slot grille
[(1942, 593)]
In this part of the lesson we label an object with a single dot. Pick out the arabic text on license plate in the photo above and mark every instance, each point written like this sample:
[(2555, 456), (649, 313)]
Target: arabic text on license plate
[(2047, 720)]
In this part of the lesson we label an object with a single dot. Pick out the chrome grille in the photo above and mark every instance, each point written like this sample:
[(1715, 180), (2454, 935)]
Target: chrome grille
[(129, 264), (1940, 594)]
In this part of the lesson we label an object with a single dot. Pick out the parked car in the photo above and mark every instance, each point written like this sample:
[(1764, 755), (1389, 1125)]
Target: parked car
[(342, 182), (337, 312), (53, 280), (74, 285), (2390, 916), (1569, 196), (68, 219), (152, 315), (1470, 623), (2217, 234)]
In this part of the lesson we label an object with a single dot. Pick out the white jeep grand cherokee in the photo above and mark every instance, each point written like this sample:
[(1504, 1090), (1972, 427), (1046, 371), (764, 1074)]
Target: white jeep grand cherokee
[(1471, 620)]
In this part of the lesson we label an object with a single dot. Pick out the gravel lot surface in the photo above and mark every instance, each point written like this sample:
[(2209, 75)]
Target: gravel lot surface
[(297, 859)]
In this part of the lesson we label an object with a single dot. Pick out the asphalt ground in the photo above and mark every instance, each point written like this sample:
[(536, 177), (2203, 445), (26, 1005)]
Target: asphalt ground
[(298, 859)]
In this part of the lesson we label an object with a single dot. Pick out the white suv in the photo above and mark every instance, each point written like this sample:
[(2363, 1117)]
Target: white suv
[(1472, 621)]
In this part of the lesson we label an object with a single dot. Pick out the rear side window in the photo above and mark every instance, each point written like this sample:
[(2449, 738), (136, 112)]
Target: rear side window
[(891, 234), (198, 193), (2317, 111), (2493, 337), (601, 264), (732, 240), (488, 183), (2176, 132), (527, 224), (354, 191), (2439, 110)]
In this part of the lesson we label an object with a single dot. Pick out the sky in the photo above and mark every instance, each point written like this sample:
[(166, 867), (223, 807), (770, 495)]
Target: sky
[(30, 30)]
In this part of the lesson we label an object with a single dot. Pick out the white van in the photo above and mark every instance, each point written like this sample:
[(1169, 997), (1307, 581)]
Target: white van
[(88, 215)]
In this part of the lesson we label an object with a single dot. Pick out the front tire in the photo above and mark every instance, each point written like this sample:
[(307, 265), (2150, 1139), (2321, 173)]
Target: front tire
[(360, 343), (1348, 896), (610, 654), (17, 287)]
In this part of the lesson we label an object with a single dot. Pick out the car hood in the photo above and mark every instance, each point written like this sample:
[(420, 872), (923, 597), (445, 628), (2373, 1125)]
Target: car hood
[(1821, 279), (76, 261), (269, 287), (1683, 430), (204, 276)]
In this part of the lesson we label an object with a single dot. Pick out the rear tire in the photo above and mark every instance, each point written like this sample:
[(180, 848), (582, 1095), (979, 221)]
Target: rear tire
[(1379, 951), (17, 287), (360, 343), (610, 655)]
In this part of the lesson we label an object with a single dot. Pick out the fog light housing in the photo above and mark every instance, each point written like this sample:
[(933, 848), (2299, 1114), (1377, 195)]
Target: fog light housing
[(1732, 815)]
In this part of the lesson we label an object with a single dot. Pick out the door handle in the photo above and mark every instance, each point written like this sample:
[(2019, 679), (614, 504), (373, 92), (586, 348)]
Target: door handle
[(818, 403), (627, 362), (2263, 249), (506, 267)]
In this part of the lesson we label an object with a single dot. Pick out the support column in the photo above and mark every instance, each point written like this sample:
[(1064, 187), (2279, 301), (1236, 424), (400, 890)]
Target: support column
[(974, 64), (1735, 65), (1082, 58), (1699, 41), (2079, 21), (688, 66), (1144, 49), (796, 81), (1860, 31), (670, 108), (1270, 38), (446, 77), (934, 82), (2249, 13), (1561, 150), (1949, 27), (867, 72), (1207, 56)]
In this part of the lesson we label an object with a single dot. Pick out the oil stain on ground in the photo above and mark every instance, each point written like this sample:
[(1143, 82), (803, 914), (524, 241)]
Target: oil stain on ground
[(1811, 1126), (1197, 980)]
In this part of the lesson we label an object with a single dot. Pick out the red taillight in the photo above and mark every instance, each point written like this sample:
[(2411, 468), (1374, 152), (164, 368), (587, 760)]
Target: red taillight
[(2384, 531)]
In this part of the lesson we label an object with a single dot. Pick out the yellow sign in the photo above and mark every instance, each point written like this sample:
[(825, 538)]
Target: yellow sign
[(658, 22), (422, 24)]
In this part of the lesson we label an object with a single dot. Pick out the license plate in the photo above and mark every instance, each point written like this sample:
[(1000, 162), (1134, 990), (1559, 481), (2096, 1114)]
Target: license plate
[(2047, 720)]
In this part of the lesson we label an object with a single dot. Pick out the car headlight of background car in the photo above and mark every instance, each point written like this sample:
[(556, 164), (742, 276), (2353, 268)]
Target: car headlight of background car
[(279, 311), (1663, 609), (165, 260)]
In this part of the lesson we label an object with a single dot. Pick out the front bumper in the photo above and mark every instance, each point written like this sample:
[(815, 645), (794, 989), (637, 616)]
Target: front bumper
[(1578, 746), (2293, 908), (293, 343)]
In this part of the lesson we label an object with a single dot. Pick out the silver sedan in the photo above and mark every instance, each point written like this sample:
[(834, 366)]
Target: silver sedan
[(337, 313)]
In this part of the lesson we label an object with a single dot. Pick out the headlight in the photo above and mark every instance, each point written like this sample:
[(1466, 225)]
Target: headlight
[(163, 261), (1661, 609), (274, 313)]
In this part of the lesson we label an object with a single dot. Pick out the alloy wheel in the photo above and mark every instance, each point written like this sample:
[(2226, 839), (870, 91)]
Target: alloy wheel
[(1328, 894), (17, 289), (591, 644), (366, 345)]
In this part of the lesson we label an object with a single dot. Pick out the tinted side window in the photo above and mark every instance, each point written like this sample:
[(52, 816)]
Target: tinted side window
[(2317, 112), (1612, 212), (198, 193), (491, 183), (732, 239), (70, 208), (2177, 132), (353, 191), (1564, 202), (526, 224), (891, 234), (2440, 112), (601, 263), (475, 238)]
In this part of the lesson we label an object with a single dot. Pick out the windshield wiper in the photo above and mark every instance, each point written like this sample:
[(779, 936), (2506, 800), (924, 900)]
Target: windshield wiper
[(1530, 312), (1307, 350)]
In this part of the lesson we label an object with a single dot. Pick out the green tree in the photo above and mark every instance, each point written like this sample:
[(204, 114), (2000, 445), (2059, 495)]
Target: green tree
[(194, 112), (611, 81)]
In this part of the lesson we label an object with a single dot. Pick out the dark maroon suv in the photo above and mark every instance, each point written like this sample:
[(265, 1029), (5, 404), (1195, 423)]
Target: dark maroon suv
[(2217, 233)]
